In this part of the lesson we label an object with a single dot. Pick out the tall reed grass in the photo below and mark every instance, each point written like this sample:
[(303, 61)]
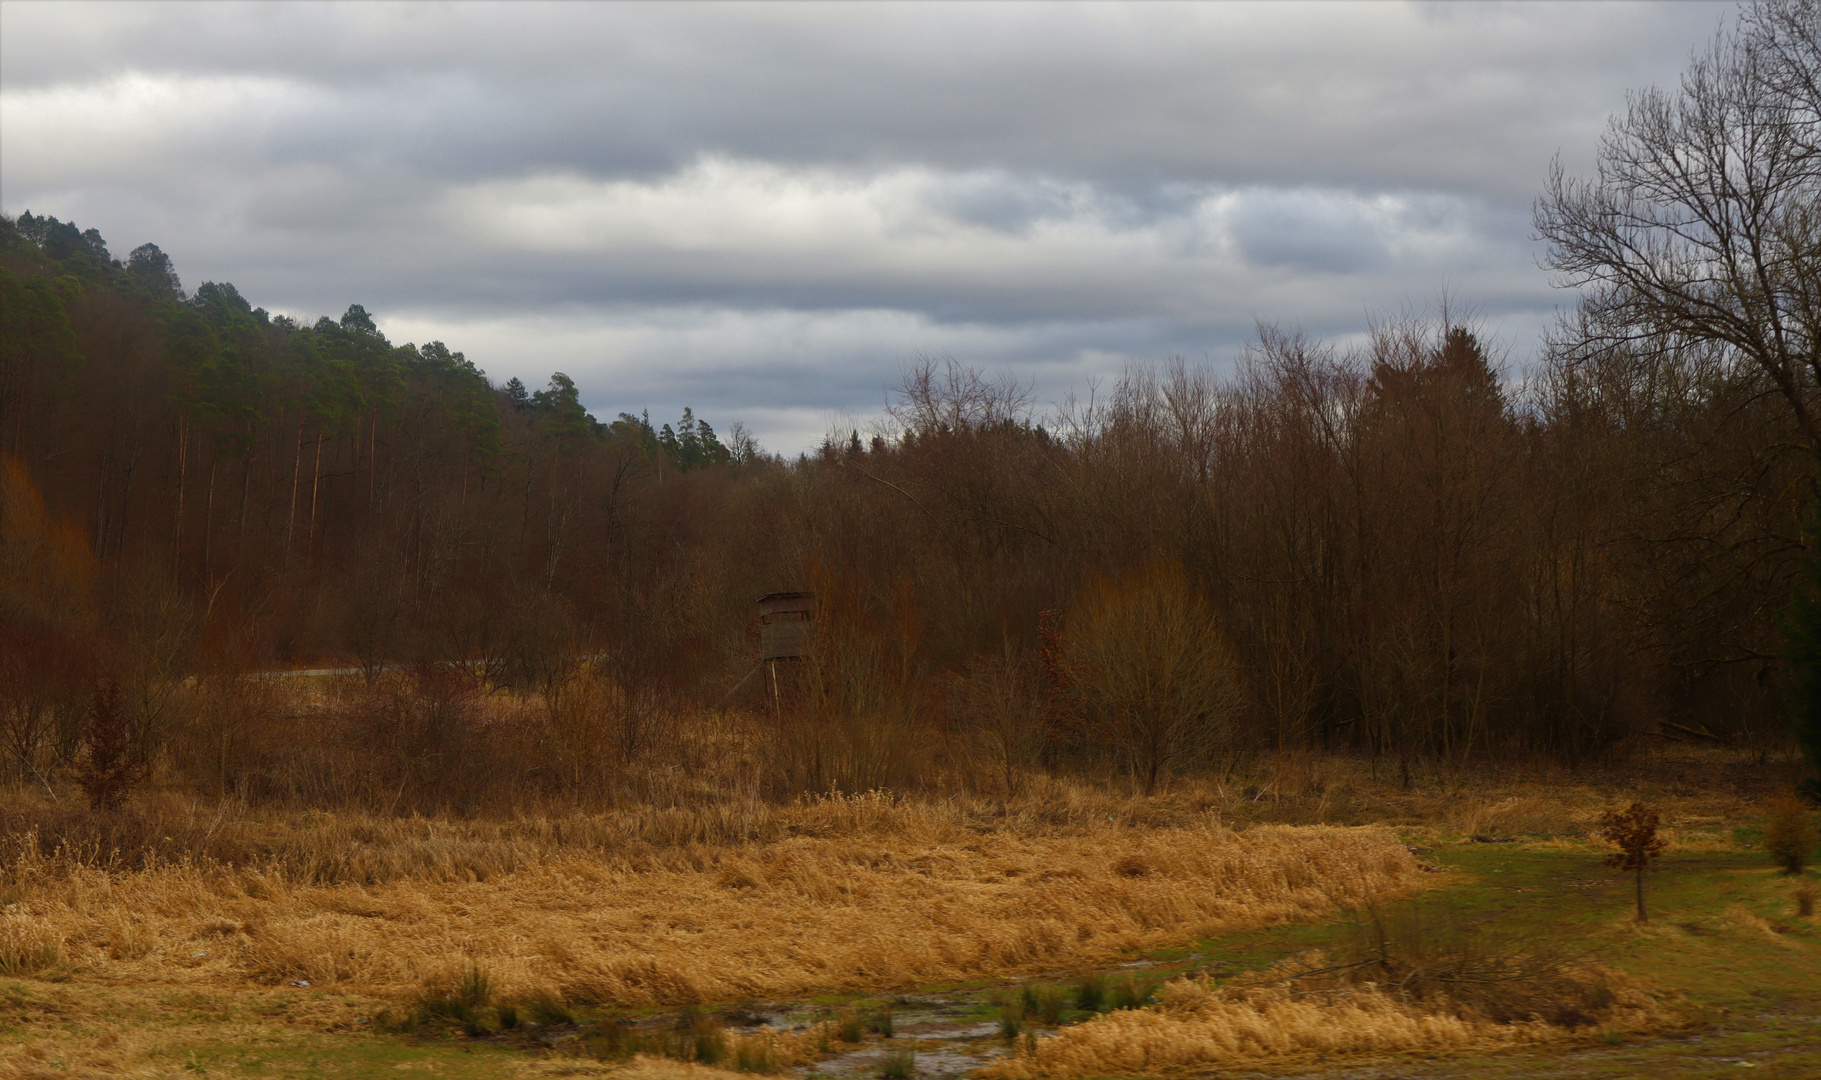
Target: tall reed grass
[(842, 893), (1198, 1025)]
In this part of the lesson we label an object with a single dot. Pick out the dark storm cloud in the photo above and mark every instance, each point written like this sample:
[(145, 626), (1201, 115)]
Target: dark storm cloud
[(766, 210)]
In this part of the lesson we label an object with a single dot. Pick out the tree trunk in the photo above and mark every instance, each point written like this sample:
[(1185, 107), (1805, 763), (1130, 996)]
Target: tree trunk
[(208, 518), (126, 492), (315, 485), (101, 477), (183, 461), (296, 464), (240, 539)]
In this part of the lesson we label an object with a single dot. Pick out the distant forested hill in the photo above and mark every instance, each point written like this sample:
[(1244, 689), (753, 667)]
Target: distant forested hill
[(317, 489)]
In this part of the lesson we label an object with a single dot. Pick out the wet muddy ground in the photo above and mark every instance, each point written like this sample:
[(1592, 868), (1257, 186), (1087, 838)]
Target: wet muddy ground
[(950, 1034)]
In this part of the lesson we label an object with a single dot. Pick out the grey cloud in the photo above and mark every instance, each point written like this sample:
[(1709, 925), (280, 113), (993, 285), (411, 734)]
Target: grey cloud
[(1057, 188), (1307, 231), (1132, 95), (1001, 202)]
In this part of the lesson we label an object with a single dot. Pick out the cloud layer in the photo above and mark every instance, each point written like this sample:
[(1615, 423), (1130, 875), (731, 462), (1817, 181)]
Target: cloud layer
[(766, 211)]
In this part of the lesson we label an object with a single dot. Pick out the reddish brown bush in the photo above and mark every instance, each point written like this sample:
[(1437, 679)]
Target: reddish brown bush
[(1634, 831), (109, 770)]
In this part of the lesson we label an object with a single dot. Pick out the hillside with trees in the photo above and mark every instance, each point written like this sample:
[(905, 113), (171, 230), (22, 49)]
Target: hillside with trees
[(1404, 551), (1396, 552)]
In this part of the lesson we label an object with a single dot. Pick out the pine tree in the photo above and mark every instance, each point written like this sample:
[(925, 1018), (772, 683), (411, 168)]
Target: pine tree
[(357, 320), (153, 267)]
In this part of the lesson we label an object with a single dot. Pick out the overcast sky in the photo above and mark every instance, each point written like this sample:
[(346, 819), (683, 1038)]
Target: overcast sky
[(767, 211)]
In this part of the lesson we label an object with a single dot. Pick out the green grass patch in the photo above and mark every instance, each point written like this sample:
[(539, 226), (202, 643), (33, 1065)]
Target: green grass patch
[(1723, 928)]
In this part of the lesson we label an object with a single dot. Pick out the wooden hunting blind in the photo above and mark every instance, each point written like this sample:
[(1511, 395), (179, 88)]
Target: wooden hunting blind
[(784, 634), (784, 625)]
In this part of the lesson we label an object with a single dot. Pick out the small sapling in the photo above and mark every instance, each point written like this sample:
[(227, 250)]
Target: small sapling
[(1634, 831)]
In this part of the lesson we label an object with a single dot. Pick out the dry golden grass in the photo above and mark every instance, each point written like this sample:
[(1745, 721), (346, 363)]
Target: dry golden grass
[(869, 894), (703, 891), (1751, 922), (1199, 1025), (1520, 814)]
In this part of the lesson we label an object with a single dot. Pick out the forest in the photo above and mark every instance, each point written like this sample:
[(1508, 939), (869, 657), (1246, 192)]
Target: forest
[(1406, 551)]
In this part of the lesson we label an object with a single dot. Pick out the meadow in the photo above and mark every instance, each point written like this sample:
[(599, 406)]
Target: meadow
[(1290, 915), (359, 715)]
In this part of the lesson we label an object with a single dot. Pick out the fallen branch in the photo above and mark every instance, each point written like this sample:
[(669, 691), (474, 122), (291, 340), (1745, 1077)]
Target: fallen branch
[(1699, 733)]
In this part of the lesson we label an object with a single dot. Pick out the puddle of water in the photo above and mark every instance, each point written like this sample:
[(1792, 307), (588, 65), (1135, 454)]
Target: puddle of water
[(936, 1062), (951, 1035)]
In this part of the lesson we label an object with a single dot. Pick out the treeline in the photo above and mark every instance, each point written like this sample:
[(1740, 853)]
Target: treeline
[(1390, 551), (1397, 550)]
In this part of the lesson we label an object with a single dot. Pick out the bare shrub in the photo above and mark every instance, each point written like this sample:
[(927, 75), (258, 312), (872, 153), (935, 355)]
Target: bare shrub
[(1000, 698), (413, 735), (43, 676), (1790, 835), (233, 727), (593, 730), (49, 634), (157, 625), (109, 769), (537, 646), (1152, 672)]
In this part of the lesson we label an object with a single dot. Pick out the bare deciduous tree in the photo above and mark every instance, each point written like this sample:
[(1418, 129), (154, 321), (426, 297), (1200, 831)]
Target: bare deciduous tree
[(1701, 218), (1001, 699), (1153, 671)]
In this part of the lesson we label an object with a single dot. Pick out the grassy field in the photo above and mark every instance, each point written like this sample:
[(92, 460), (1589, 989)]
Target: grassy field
[(185, 964), (1737, 971)]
